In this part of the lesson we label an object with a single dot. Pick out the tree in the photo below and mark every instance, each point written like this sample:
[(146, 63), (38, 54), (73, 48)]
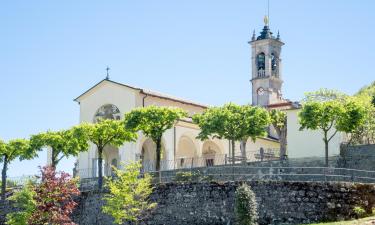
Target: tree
[(107, 133), (233, 122), (246, 207), (331, 117), (128, 195), (279, 122), (18, 148), (365, 134), (63, 143), (54, 198), (24, 201), (153, 121)]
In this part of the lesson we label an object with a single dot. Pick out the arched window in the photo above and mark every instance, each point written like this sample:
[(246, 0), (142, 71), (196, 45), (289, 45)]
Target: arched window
[(274, 61), (261, 61), (107, 112)]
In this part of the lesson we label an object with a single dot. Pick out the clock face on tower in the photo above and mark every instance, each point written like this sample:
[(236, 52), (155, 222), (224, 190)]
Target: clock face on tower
[(260, 91)]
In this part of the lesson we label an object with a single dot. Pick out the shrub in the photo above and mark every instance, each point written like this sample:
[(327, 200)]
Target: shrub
[(54, 198), (359, 212), (24, 201), (246, 208), (128, 198), (195, 176)]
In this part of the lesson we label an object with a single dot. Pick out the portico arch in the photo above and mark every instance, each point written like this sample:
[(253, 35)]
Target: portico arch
[(186, 152), (148, 155), (212, 154)]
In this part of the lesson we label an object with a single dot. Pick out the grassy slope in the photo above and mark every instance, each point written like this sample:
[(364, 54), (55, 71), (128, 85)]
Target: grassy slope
[(352, 222)]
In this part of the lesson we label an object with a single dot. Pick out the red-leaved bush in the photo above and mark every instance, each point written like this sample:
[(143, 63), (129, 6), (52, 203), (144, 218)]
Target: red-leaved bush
[(54, 198)]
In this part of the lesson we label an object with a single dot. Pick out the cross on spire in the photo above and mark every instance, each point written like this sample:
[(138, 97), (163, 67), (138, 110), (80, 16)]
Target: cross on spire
[(107, 69)]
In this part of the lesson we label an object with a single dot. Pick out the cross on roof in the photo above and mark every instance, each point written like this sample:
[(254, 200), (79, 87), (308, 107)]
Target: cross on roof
[(107, 78)]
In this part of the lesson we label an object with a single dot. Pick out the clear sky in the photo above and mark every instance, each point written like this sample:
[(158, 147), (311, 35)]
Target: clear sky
[(52, 51)]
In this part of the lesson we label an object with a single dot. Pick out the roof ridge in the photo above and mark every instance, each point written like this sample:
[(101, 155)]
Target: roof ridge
[(147, 92)]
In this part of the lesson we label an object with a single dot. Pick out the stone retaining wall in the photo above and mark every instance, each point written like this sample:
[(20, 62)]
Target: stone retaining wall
[(358, 157), (280, 202), (213, 203)]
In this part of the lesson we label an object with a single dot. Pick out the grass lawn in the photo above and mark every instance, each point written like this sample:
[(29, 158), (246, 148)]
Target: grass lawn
[(368, 220)]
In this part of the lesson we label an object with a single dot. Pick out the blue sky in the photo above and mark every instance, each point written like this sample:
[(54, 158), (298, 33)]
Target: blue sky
[(52, 51)]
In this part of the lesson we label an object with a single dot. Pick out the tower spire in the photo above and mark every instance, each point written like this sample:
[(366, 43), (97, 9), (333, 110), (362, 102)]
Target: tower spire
[(254, 37)]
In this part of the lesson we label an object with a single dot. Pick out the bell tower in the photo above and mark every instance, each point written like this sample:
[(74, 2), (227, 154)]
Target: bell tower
[(266, 67)]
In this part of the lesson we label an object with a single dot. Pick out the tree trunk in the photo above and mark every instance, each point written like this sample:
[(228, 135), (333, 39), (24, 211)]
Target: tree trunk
[(326, 147), (158, 157), (54, 159), (4, 178), (100, 165), (243, 151), (158, 154), (283, 143), (233, 150)]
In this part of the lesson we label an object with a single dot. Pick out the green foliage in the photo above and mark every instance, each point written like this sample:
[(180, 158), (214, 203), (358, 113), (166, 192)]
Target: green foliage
[(367, 90), (323, 95), (365, 134), (24, 201), (63, 143), (232, 122), (332, 116), (128, 196), (359, 212), (278, 118), (195, 176), (153, 121), (320, 115), (107, 133), (18, 148), (246, 207)]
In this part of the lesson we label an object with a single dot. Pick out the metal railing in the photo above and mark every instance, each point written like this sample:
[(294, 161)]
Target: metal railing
[(261, 73), (194, 162), (248, 173), (220, 169)]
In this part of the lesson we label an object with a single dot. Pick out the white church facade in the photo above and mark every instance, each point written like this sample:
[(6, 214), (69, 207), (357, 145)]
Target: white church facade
[(181, 149)]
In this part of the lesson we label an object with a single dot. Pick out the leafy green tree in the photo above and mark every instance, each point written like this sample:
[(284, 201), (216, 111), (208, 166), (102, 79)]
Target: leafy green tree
[(279, 122), (128, 198), (107, 133), (246, 207), (365, 134), (62, 143), (331, 117), (234, 123), (153, 121), (17, 148), (24, 201)]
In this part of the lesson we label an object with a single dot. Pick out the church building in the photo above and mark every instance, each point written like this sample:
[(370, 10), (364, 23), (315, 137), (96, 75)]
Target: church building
[(111, 100)]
